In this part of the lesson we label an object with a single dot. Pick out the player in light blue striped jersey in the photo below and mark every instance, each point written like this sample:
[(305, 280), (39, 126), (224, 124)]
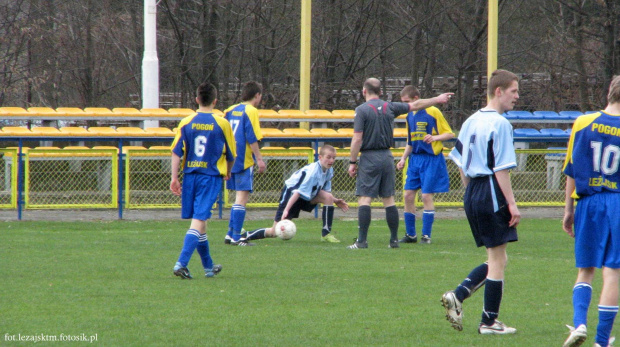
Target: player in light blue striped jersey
[(205, 144), (244, 120), (484, 153), (591, 167)]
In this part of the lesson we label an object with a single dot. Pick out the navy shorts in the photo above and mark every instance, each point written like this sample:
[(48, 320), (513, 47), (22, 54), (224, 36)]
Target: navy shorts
[(298, 206), (198, 194), (487, 213)]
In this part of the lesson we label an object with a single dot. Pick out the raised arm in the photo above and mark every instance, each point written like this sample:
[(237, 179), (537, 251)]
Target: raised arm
[(424, 103)]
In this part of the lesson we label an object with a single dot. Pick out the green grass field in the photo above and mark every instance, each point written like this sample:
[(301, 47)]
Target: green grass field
[(114, 279)]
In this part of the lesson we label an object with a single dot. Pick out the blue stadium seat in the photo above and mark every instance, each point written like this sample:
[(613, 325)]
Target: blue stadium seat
[(568, 131), (589, 112), (509, 116), (550, 115), (553, 132), (571, 114), (520, 114), (527, 132)]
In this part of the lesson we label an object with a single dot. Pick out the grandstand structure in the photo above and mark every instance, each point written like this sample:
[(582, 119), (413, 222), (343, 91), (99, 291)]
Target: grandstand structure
[(53, 161)]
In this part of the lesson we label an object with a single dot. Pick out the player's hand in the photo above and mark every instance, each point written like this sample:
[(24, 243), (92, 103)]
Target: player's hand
[(284, 214), (262, 167), (175, 187), (227, 177), (567, 223), (342, 204), (352, 170), (515, 215), (429, 138), (400, 165), (443, 98)]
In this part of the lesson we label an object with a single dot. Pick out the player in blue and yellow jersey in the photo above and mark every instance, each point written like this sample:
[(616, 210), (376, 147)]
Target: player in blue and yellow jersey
[(593, 179), (484, 153), (244, 120), (206, 146), (426, 170), (307, 187)]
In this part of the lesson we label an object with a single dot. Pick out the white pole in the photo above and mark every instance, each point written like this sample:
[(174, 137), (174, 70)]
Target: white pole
[(150, 62)]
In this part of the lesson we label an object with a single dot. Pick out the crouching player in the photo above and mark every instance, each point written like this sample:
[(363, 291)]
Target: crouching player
[(207, 146), (306, 188)]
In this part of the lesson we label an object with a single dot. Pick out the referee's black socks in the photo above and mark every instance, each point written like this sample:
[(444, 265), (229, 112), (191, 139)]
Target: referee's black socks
[(391, 216)]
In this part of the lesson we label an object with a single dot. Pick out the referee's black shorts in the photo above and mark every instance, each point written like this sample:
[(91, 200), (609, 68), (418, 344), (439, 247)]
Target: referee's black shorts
[(487, 213)]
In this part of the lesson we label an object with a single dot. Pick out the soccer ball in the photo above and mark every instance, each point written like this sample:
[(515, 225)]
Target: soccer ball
[(285, 229)]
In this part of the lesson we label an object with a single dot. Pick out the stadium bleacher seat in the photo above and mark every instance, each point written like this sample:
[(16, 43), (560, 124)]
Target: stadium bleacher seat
[(102, 131), (16, 131), (296, 132), (292, 114), (126, 112), (571, 114), (590, 112), (99, 111), (553, 132), (181, 112), (74, 131), (400, 132), (164, 132), (520, 114), (14, 112), (527, 132), (44, 112), (131, 131), (74, 112), (45, 131), (160, 147), (154, 112), (510, 116), (343, 114), (75, 147), (271, 132), (133, 148), (548, 115), (319, 114), (324, 132), (267, 114), (348, 132)]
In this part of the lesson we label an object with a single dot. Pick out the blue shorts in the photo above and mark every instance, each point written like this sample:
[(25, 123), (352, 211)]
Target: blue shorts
[(597, 231), (198, 194), (487, 213), (243, 180), (428, 172)]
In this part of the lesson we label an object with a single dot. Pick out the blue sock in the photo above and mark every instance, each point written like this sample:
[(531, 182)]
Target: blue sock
[(428, 217), (606, 317), (582, 294), (492, 300), (474, 280), (410, 224), (203, 251), (189, 245), (237, 217)]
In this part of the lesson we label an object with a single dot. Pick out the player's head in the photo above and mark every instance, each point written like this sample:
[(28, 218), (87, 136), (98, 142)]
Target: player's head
[(327, 156), (252, 92), (614, 91), (372, 87), (206, 94), (503, 89), (409, 93)]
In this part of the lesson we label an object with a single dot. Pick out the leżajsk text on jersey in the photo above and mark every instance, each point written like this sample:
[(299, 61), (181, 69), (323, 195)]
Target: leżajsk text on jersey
[(485, 145), (424, 122), (245, 125), (206, 143), (593, 154)]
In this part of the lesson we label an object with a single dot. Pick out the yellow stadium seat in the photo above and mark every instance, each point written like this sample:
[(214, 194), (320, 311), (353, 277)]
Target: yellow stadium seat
[(302, 148), (44, 112), (268, 114), (74, 112), (296, 132), (348, 132), (400, 132), (106, 147), (102, 131), (160, 147), (129, 148), (271, 132), (74, 131), (14, 111), (154, 112), (75, 147), (99, 112), (402, 116), (126, 112), (130, 131), (45, 131), (343, 114), (181, 112), (159, 132), (16, 131), (294, 114), (324, 132), (319, 114), (273, 148)]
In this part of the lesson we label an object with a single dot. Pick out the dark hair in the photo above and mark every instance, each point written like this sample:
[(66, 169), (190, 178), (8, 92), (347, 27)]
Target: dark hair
[(410, 91), (250, 89), (502, 79), (373, 86), (206, 93)]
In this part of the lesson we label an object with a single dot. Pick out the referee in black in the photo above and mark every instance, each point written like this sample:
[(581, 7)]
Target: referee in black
[(373, 136)]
